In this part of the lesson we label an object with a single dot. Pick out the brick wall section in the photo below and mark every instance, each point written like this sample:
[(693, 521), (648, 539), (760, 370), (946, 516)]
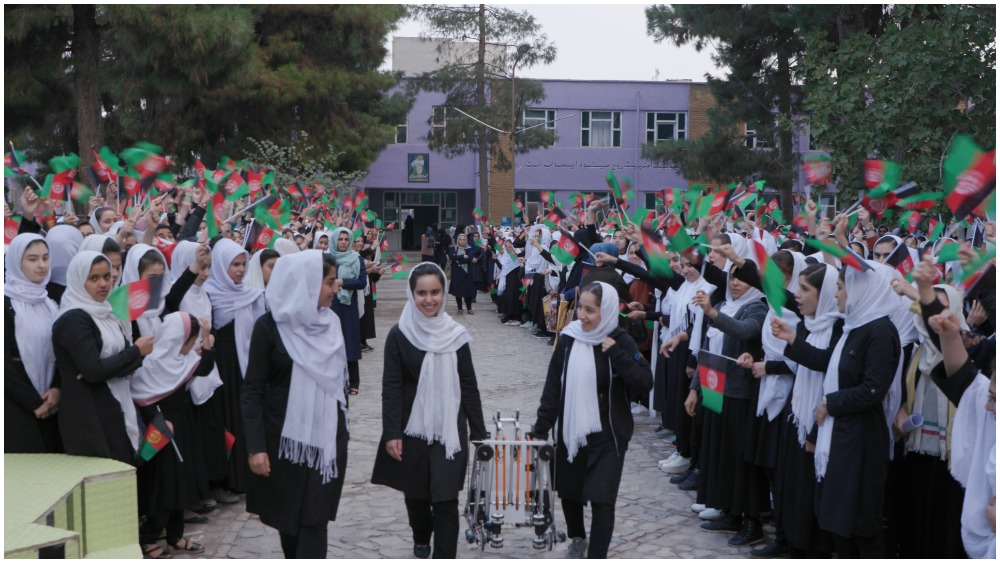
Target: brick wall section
[(501, 183), (700, 99)]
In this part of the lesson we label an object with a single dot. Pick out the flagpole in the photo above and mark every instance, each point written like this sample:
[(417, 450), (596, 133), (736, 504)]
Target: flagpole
[(173, 442), (245, 209)]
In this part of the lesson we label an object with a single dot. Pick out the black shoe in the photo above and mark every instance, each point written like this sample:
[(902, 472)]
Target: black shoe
[(727, 524), (772, 549), (749, 534), (421, 551), (691, 483), (681, 477), (552, 340), (541, 334), (766, 517)]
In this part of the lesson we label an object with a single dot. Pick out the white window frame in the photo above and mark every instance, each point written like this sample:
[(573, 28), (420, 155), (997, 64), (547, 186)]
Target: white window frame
[(753, 142), (549, 118), (406, 134), (588, 117), (443, 124), (680, 132)]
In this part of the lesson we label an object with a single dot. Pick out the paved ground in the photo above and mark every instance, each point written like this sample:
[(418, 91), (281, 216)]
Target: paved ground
[(653, 517)]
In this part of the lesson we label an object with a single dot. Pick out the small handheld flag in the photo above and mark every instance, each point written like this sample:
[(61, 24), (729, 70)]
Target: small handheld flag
[(129, 302)]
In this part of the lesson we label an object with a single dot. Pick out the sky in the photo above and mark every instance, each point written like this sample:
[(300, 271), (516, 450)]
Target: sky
[(603, 42)]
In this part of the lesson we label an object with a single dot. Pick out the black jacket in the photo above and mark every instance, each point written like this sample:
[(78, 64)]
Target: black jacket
[(630, 378)]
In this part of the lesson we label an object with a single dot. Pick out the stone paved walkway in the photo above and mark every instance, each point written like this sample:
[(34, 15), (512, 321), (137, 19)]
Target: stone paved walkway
[(652, 520)]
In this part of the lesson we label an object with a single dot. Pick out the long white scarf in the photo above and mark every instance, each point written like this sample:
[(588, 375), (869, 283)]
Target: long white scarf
[(973, 464), (34, 314), (681, 310), (198, 305), (233, 301), (507, 265), (868, 299), (115, 334), (434, 416), (64, 242), (534, 263), (166, 370), (319, 372), (581, 413), (149, 322), (808, 388), (775, 389)]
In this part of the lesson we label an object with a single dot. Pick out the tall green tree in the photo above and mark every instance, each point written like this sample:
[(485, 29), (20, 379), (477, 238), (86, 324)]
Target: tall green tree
[(901, 91), (481, 85)]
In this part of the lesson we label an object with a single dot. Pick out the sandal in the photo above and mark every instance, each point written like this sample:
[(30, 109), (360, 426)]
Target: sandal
[(149, 550), (353, 391), (187, 546)]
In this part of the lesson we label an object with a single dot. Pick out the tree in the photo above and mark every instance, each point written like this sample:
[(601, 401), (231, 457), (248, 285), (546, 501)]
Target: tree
[(902, 90), (480, 86), (760, 45)]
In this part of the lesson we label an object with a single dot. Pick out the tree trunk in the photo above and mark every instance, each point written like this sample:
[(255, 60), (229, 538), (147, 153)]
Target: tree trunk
[(484, 173), (89, 123), (787, 156)]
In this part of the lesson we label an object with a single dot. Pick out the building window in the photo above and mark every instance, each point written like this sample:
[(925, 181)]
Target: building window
[(601, 129), (540, 119), (755, 142), (439, 120), (401, 134), (663, 126)]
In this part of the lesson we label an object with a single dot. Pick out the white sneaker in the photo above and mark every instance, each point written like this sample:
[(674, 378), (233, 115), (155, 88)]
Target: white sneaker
[(676, 465), (577, 549), (639, 410), (527, 325), (697, 508), (710, 514), (513, 323), (669, 460)]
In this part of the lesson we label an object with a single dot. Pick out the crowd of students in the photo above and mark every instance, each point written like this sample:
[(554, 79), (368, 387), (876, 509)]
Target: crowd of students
[(818, 426)]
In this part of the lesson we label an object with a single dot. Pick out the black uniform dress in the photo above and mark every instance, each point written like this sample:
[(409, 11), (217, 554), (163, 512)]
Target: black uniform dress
[(90, 418), (621, 375), (293, 497), (424, 474), (226, 408), (368, 320), (463, 284), (795, 475), (23, 433), (509, 303), (849, 499)]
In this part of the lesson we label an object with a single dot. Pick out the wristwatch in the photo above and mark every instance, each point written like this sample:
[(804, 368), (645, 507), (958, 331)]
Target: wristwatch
[(823, 401)]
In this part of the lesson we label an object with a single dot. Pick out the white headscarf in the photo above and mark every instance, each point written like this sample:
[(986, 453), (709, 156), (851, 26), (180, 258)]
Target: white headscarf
[(317, 235), (319, 373), (775, 388), (682, 309), (974, 465), (534, 263), (507, 265), (115, 334), (286, 247), (94, 222), (34, 314), (165, 370), (150, 321), (64, 242), (930, 355), (254, 277), (95, 242), (233, 301), (808, 388), (869, 298), (434, 415), (197, 304), (581, 413), (731, 306)]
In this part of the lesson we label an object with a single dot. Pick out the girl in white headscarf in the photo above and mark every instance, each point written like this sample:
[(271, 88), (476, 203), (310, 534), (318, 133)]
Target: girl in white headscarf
[(595, 370), (354, 277), (31, 386), (108, 246), (430, 409), (535, 267), (142, 262), (294, 405), (852, 453), (168, 483), (102, 219), (260, 268), (95, 356), (64, 241), (235, 309)]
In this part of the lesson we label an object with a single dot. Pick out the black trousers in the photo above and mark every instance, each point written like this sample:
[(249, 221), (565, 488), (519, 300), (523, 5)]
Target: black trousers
[(439, 519), (468, 302), (602, 524), (172, 520), (309, 543), (856, 547), (353, 375)]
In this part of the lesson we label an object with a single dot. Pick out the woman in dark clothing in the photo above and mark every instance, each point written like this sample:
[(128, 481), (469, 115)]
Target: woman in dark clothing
[(235, 308), (594, 373), (428, 413), (508, 302), (166, 483), (464, 261), (31, 384), (95, 355), (371, 299), (64, 241), (352, 272), (731, 482), (852, 445), (480, 273), (294, 405)]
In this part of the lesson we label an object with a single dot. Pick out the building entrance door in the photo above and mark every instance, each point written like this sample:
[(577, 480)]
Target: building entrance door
[(423, 217)]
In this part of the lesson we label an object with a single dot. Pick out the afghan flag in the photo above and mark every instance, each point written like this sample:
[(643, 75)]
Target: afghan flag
[(911, 220), (230, 440), (554, 216), (656, 253), (936, 227), (477, 214), (800, 226), (145, 158), (64, 163), (399, 272), (273, 212), (213, 214), (12, 163), (129, 302), (235, 186), (669, 197), (818, 168), (772, 281), (130, 184), (712, 370), (947, 253), (360, 200), (612, 182), (11, 225), (517, 207), (978, 273), (920, 201), (254, 181), (567, 249), (901, 260), (80, 193), (882, 176), (845, 255), (157, 436), (261, 236), (547, 197), (969, 176), (57, 186), (166, 248)]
